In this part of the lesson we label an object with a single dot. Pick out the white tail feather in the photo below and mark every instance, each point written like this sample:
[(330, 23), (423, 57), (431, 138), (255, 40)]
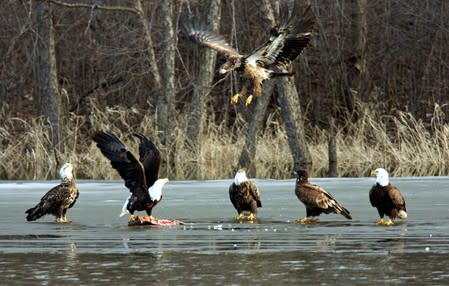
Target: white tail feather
[(124, 209), (402, 214)]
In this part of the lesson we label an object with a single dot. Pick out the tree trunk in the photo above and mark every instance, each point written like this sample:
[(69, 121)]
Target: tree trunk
[(289, 103), (294, 122), (203, 81), (154, 69), (166, 100), (46, 92), (249, 149)]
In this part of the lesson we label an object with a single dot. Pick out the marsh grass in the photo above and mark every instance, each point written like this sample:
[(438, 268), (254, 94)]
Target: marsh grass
[(399, 143)]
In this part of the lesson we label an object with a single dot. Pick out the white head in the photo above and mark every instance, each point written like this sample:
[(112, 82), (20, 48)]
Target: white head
[(66, 172), (382, 177), (240, 177), (155, 190)]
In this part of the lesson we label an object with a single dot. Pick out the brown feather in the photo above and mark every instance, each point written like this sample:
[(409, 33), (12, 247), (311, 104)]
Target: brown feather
[(316, 199)]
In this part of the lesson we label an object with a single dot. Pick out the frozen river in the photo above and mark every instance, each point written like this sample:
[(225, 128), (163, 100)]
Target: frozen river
[(211, 249)]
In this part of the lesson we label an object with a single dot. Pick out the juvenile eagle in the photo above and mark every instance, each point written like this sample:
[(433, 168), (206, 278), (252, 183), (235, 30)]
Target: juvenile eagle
[(270, 60), (141, 176), (386, 198), (245, 196), (316, 199), (59, 199)]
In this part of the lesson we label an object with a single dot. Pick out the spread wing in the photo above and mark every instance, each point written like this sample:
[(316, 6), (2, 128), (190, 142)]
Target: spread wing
[(196, 33), (122, 160), (150, 157), (287, 41)]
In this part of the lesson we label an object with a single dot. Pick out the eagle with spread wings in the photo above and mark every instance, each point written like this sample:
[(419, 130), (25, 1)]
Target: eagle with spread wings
[(141, 176), (272, 59)]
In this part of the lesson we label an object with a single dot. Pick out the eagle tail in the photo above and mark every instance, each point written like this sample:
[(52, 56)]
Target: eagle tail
[(38, 211), (402, 214)]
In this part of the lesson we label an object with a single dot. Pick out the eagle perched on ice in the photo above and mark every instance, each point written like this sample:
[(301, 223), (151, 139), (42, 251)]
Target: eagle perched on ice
[(272, 59), (59, 199), (386, 198), (316, 199), (245, 196), (141, 176)]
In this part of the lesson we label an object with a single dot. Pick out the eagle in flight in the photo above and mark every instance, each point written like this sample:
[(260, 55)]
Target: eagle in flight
[(141, 176), (59, 199), (270, 60)]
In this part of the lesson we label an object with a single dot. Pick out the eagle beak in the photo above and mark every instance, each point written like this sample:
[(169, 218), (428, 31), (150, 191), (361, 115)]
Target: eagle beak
[(373, 173)]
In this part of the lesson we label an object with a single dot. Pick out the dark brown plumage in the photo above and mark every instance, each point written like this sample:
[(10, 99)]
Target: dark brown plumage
[(387, 198), (316, 199), (285, 44), (244, 195), (141, 176), (57, 200)]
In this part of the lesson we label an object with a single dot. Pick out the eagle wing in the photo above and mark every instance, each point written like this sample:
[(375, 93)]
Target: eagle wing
[(287, 41), (122, 160), (193, 31), (316, 197), (396, 197), (150, 157), (254, 191)]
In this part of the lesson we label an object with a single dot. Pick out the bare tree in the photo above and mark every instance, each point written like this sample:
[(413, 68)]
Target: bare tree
[(202, 84), (46, 92), (290, 110)]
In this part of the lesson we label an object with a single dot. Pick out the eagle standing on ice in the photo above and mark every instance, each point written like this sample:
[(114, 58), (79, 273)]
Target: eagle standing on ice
[(270, 60), (141, 176), (316, 199), (245, 196), (59, 199), (386, 198)]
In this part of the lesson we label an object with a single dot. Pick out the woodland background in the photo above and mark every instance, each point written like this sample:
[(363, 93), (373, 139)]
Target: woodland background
[(370, 91)]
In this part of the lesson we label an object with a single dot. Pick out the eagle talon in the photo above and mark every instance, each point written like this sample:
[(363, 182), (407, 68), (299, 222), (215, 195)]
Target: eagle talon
[(240, 217), (307, 220), (235, 98), (248, 100), (133, 218), (251, 217)]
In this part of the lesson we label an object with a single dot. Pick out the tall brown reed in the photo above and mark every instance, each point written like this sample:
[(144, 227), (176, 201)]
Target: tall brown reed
[(400, 143)]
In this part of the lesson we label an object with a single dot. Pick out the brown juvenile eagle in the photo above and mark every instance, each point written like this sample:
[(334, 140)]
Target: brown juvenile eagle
[(141, 176), (59, 199), (386, 198), (316, 199), (245, 196), (271, 59)]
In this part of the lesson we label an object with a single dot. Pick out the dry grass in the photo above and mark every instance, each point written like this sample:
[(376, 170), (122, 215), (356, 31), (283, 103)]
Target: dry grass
[(401, 144)]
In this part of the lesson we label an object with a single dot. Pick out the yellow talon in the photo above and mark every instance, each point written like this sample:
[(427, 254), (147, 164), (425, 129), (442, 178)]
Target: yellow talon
[(235, 98), (380, 222), (389, 222), (240, 217), (249, 99), (251, 217), (133, 218)]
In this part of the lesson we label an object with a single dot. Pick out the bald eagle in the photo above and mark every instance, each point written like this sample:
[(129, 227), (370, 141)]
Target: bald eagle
[(386, 198), (316, 199), (270, 60), (141, 176), (59, 199), (245, 196)]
